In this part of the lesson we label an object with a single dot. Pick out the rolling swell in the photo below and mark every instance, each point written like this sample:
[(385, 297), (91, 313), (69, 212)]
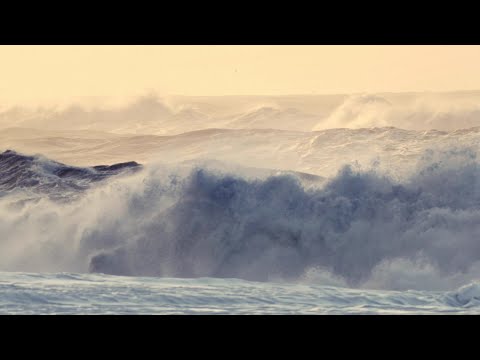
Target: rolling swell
[(361, 228)]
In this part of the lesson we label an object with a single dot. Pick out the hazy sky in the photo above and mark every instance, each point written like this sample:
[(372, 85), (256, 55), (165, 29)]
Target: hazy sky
[(49, 72)]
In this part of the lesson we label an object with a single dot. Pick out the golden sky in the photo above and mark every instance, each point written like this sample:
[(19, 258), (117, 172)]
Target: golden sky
[(50, 72)]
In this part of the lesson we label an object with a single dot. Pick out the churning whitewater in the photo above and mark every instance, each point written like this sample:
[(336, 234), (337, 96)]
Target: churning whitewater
[(243, 218), (66, 293)]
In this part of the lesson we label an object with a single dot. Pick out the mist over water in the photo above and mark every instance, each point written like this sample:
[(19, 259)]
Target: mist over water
[(361, 192), (359, 228), (172, 115)]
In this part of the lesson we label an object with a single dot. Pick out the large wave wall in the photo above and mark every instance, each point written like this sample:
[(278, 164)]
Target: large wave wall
[(359, 229)]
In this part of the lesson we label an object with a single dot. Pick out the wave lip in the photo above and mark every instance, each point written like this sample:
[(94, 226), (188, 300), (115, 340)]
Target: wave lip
[(467, 296)]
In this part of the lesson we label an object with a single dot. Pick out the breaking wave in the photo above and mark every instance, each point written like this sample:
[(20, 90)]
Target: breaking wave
[(41, 176), (360, 228)]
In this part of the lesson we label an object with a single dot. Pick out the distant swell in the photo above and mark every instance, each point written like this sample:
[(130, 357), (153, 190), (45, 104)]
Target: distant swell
[(359, 229)]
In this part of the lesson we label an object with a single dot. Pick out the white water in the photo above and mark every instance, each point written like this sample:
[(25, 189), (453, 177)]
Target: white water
[(390, 223), (67, 293)]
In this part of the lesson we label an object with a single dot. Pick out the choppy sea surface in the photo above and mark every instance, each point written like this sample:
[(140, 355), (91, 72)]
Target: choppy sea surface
[(69, 293)]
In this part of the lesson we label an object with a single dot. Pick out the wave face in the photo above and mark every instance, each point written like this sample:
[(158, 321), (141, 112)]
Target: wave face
[(360, 228), (38, 175)]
